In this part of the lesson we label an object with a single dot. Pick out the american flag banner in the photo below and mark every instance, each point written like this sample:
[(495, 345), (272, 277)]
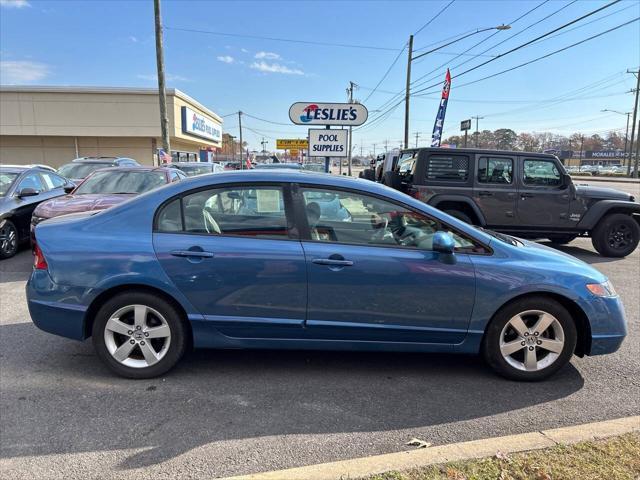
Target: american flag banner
[(163, 156), (442, 110)]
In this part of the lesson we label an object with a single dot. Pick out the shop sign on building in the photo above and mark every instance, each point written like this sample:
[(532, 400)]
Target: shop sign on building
[(292, 143), (198, 125)]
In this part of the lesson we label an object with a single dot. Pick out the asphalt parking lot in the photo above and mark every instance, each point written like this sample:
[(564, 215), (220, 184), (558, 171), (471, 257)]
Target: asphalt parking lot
[(63, 415)]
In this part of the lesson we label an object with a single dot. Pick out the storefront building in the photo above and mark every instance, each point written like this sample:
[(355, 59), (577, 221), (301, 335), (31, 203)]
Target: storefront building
[(54, 125)]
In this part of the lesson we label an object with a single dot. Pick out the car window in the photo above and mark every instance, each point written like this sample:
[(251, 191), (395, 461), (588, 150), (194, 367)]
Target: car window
[(6, 180), (32, 180), (495, 170), (170, 217), (80, 170), (257, 212), (175, 177), (406, 162), (52, 180), (355, 218), (541, 173), (118, 181), (450, 168)]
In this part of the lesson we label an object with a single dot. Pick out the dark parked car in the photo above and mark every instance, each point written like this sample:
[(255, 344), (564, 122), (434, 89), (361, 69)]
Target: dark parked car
[(81, 167), (191, 169), (250, 260), (525, 194), (22, 188), (105, 188)]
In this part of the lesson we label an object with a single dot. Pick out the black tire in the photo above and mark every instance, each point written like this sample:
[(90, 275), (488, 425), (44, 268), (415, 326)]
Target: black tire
[(460, 216), (9, 239), (491, 341), (616, 235), (174, 320), (562, 239), (392, 179)]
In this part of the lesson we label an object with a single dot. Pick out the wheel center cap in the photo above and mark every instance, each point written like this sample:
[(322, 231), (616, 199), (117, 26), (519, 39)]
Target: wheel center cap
[(138, 335), (531, 340)]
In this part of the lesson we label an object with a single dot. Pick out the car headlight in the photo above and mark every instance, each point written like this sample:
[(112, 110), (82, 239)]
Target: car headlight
[(602, 289)]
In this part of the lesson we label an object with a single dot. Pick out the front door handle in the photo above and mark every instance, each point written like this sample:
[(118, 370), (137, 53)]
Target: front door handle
[(191, 253), (332, 262), (485, 194)]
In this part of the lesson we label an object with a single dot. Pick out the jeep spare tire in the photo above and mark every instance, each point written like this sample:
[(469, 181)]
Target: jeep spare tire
[(392, 179)]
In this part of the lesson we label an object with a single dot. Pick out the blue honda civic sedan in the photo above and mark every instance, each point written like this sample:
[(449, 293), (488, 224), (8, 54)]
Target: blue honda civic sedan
[(257, 260)]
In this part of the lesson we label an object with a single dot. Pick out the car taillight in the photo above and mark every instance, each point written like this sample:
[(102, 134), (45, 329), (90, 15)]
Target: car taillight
[(39, 262)]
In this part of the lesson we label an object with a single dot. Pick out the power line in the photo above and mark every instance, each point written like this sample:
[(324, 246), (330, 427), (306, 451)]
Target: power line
[(529, 43), (434, 17), (395, 60), (277, 39), (265, 120)]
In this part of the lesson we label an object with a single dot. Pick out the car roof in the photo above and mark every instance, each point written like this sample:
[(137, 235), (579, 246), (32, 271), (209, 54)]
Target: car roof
[(177, 164), (99, 159), (21, 168), (136, 168), (451, 151)]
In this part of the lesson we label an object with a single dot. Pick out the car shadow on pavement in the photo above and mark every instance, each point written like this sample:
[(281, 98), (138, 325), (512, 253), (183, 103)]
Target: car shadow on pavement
[(58, 398), (16, 268), (588, 256)]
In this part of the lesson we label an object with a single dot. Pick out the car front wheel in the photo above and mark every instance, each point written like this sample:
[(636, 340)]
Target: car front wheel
[(530, 339), (8, 239), (617, 235), (139, 335)]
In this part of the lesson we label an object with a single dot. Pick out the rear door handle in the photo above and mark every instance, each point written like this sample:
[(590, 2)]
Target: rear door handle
[(485, 194), (332, 262), (191, 253)]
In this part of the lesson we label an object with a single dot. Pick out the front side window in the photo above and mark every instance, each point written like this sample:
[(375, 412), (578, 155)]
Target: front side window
[(495, 170), (355, 218), (450, 168), (541, 173), (6, 180), (52, 180), (32, 181), (257, 212)]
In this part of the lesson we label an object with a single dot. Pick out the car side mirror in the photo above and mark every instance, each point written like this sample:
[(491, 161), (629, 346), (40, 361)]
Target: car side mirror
[(69, 187), (444, 244), (28, 192), (566, 180)]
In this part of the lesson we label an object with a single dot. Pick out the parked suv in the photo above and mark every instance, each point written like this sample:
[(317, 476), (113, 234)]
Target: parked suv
[(525, 194), (80, 168)]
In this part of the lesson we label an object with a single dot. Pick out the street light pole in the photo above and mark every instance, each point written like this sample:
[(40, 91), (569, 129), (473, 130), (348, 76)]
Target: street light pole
[(162, 94), (411, 58), (626, 134)]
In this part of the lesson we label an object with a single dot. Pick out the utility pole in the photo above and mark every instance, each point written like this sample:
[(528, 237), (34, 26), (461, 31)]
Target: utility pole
[(626, 141), (374, 150), (417, 134), (162, 94), (386, 145), (580, 158), (241, 147), (633, 127), (407, 93), (263, 143), (350, 91), (477, 130)]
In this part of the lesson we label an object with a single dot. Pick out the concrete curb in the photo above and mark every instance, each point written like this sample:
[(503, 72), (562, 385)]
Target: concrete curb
[(362, 467), (586, 178)]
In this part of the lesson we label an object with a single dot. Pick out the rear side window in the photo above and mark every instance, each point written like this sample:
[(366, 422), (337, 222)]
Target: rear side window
[(449, 168), (406, 162), (495, 170), (257, 212)]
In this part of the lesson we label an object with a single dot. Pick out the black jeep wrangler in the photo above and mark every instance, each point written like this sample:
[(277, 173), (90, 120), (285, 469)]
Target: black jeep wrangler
[(529, 195)]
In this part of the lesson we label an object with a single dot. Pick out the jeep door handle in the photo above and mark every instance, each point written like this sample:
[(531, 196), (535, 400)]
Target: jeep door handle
[(191, 253), (332, 262), (485, 194)]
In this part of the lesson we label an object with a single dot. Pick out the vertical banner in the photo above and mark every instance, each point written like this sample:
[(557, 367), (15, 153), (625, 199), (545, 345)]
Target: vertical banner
[(442, 110)]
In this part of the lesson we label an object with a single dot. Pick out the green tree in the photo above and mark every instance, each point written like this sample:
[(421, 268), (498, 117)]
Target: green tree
[(505, 139)]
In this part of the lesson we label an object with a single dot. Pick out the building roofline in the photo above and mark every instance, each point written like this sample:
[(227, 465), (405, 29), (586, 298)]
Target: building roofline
[(122, 90)]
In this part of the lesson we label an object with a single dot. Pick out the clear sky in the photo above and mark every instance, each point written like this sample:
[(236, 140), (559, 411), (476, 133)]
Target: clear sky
[(111, 43)]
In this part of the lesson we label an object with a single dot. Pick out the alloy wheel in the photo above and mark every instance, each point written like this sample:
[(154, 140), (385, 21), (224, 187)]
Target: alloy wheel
[(620, 236), (137, 336), (532, 340), (8, 239)]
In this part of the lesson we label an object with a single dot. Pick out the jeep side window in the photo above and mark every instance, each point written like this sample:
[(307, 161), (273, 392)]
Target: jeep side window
[(406, 163), (451, 168), (495, 170), (542, 173)]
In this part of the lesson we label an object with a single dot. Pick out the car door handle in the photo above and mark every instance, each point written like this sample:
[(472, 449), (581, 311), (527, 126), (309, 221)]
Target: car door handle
[(485, 194), (191, 253), (332, 262)]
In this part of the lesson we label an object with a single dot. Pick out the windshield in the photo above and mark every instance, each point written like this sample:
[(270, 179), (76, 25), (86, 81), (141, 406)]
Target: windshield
[(193, 170), (121, 182), (503, 238), (6, 179), (80, 170)]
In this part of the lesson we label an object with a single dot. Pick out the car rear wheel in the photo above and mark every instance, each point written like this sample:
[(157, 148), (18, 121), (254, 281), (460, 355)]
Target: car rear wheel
[(138, 335), (530, 339), (617, 235), (8, 239)]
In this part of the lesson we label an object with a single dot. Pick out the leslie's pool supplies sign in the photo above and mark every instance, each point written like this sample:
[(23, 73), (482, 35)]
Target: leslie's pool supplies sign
[(310, 113), (327, 143)]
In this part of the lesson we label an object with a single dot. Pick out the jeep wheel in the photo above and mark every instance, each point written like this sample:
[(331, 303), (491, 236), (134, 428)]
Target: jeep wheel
[(460, 216), (617, 235), (562, 239)]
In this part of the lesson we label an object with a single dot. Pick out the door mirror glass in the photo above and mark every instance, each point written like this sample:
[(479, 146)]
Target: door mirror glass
[(443, 243), (28, 192)]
